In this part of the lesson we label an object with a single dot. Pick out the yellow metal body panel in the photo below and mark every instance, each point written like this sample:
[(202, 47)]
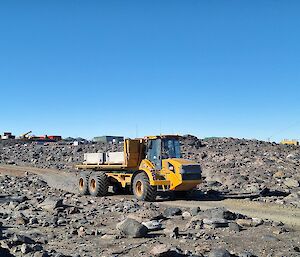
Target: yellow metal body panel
[(149, 168), (124, 179), (175, 177)]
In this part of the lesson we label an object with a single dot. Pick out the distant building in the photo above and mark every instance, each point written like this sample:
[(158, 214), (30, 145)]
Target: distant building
[(7, 135), (55, 138), (109, 139), (46, 138)]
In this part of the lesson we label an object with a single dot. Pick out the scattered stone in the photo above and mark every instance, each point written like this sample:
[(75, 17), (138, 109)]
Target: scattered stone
[(234, 227), (109, 237), (291, 183), (81, 232), (21, 220), (247, 254), (49, 204), (160, 250), (41, 254), (163, 250), (296, 249), (219, 253), (21, 239), (195, 223), (25, 248), (195, 211), (186, 214), (153, 225), (279, 174), (216, 223), (219, 213), (280, 230), (254, 222), (172, 211)]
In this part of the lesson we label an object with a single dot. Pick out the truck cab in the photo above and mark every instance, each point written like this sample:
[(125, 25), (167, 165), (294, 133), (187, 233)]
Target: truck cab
[(164, 154), (161, 148)]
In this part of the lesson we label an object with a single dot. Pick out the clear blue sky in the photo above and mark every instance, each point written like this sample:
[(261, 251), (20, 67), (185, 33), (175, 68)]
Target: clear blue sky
[(209, 68)]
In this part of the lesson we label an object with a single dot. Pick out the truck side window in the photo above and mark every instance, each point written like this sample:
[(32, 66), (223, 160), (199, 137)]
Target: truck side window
[(154, 152)]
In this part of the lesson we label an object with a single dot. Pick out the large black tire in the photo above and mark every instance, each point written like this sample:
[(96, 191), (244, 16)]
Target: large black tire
[(98, 184), (142, 189), (83, 184)]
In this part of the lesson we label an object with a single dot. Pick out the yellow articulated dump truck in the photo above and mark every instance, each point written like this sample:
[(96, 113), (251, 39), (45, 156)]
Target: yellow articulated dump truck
[(146, 165)]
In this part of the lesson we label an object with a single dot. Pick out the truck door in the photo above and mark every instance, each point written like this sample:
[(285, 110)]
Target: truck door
[(154, 152)]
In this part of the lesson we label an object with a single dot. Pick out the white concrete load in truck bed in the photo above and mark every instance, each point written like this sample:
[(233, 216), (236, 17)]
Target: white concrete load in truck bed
[(114, 158), (104, 158), (94, 158)]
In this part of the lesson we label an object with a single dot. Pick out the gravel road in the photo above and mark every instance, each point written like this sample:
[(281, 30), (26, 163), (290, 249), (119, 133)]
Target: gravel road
[(67, 181)]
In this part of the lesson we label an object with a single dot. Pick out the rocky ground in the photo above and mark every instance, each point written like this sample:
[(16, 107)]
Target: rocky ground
[(229, 165), (36, 220), (239, 165)]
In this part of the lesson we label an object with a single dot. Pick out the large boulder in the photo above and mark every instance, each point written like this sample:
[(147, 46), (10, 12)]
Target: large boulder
[(133, 228), (51, 203), (22, 239), (220, 213)]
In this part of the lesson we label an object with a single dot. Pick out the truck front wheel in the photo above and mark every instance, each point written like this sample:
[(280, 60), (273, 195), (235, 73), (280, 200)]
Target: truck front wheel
[(142, 189)]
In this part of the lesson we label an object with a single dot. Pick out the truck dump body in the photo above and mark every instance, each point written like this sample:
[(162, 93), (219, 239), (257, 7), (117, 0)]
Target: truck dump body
[(129, 159)]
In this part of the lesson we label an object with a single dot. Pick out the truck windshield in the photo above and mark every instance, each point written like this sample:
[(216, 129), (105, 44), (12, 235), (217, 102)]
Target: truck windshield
[(170, 148)]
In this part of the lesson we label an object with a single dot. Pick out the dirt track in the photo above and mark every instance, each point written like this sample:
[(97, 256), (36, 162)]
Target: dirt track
[(67, 181)]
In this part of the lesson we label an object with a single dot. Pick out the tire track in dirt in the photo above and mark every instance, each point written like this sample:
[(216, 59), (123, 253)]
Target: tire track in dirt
[(275, 212)]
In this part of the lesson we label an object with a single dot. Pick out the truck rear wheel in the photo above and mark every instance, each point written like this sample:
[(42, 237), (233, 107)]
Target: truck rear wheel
[(98, 184), (142, 189), (83, 184)]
